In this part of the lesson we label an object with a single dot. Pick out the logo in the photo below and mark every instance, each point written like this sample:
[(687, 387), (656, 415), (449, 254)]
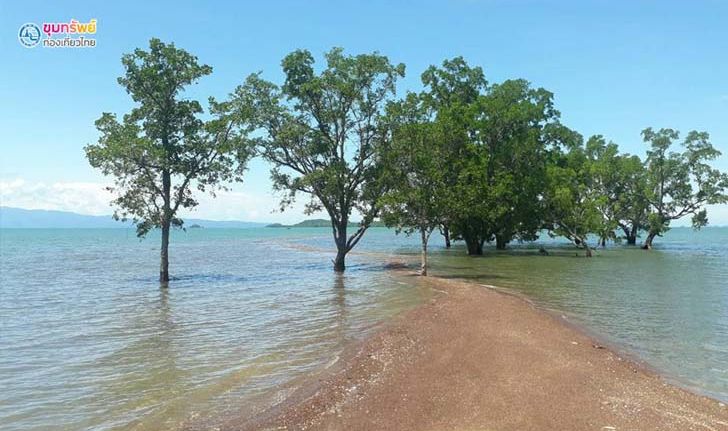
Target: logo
[(29, 35), (71, 34)]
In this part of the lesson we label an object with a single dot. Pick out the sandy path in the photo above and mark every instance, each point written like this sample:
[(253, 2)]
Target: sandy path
[(478, 359)]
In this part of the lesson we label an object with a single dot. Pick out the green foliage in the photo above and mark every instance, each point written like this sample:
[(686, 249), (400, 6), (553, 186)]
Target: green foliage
[(572, 208), (324, 132), (414, 172), (414, 169), (604, 167), (618, 182), (502, 169), (490, 162), (511, 124), (449, 91), (455, 83), (161, 149), (631, 208), (681, 183)]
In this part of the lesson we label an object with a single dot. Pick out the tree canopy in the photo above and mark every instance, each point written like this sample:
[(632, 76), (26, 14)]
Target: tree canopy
[(680, 184), (323, 133), (162, 149), (415, 173), (482, 162)]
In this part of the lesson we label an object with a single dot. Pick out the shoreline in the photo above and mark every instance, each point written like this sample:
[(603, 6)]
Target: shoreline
[(480, 357)]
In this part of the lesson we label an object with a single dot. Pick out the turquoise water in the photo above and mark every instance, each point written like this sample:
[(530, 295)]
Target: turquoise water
[(89, 341)]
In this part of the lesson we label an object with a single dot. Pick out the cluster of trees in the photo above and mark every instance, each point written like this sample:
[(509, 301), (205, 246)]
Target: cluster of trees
[(480, 162), (491, 163)]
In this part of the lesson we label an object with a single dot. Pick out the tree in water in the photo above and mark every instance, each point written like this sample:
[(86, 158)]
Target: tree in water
[(162, 149), (571, 206), (511, 122), (680, 183), (324, 132), (493, 139), (444, 229), (632, 206), (415, 172), (618, 183), (450, 89)]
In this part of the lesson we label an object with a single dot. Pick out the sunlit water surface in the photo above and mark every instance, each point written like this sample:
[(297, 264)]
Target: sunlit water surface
[(88, 340)]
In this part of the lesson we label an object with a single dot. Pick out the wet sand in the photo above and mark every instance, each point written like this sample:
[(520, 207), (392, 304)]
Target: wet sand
[(478, 359)]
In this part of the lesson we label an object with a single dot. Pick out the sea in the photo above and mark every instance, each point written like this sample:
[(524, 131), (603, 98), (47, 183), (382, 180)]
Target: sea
[(89, 340)]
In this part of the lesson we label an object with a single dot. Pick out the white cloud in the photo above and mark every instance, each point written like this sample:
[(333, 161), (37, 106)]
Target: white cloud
[(80, 197), (243, 205), (92, 198)]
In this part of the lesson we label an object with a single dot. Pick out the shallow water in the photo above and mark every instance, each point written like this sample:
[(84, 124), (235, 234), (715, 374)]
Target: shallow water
[(89, 341)]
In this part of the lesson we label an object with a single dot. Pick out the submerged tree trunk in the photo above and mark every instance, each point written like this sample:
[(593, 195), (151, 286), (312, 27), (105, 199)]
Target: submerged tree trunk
[(424, 236), (500, 242), (475, 246), (630, 234), (341, 248), (340, 261), (648, 241), (164, 254), (446, 233), (587, 249), (166, 223)]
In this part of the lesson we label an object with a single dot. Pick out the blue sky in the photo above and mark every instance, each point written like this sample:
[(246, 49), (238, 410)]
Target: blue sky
[(615, 67)]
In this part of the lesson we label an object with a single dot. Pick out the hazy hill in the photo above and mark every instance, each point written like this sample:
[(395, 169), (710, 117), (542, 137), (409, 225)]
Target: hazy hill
[(318, 222), (23, 218)]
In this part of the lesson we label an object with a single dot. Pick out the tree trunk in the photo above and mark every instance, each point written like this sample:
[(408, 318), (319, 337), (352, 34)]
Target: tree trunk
[(625, 230), (340, 260), (446, 234), (424, 238), (164, 254), (648, 241), (603, 242), (475, 246), (166, 222), (587, 249), (500, 242), (630, 234)]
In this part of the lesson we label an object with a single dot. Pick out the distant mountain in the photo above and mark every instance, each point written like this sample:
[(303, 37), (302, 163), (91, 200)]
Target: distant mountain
[(22, 218), (318, 222)]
